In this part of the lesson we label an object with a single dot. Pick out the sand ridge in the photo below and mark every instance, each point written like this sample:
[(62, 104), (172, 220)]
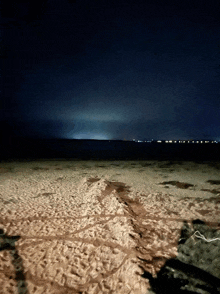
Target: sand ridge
[(87, 231)]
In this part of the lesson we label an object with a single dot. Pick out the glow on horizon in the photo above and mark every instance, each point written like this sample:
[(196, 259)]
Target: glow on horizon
[(89, 136)]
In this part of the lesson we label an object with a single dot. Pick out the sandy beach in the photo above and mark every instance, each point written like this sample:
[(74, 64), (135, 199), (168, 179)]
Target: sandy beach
[(94, 227)]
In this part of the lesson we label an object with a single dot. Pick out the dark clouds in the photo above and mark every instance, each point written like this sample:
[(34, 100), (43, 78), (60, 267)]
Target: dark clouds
[(113, 69)]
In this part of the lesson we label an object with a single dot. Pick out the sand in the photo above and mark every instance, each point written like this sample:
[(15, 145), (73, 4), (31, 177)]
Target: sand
[(94, 227)]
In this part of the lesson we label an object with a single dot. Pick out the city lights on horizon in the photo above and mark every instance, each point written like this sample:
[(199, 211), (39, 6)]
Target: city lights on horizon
[(179, 141)]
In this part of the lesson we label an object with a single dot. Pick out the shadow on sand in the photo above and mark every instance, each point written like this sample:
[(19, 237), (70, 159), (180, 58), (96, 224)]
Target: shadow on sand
[(194, 270), (8, 243)]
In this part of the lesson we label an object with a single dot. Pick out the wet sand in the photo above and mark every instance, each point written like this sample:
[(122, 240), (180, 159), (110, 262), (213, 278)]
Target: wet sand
[(94, 227)]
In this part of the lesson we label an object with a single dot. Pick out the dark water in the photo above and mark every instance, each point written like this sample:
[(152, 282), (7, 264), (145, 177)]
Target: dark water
[(23, 148)]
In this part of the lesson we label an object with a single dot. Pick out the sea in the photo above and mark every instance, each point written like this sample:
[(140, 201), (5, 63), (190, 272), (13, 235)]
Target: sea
[(73, 149)]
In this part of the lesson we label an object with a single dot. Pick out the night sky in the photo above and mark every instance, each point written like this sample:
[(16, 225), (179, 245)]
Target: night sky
[(111, 69)]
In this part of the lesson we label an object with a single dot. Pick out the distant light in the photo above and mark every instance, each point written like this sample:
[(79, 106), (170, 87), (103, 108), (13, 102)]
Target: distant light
[(89, 136), (159, 141)]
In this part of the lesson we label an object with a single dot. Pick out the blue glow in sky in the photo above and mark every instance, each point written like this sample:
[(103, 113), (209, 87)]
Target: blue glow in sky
[(93, 136), (112, 69)]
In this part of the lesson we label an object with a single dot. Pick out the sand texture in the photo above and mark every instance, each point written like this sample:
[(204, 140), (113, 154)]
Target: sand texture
[(94, 227)]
